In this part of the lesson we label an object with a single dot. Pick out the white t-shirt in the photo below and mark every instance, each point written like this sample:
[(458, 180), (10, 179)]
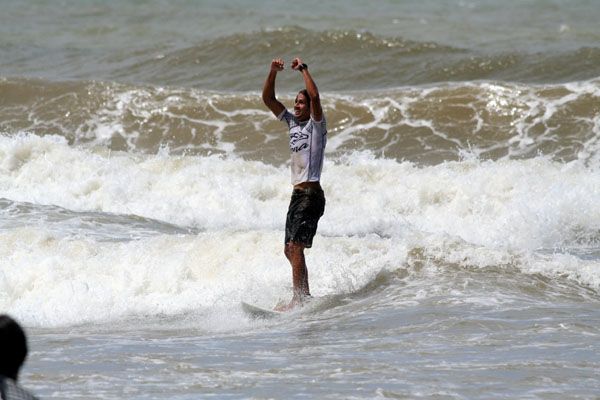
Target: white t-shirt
[(307, 145)]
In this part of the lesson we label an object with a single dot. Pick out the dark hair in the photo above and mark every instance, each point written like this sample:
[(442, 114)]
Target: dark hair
[(305, 93), (13, 347)]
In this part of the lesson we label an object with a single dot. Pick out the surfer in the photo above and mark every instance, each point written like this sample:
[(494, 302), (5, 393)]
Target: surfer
[(308, 136)]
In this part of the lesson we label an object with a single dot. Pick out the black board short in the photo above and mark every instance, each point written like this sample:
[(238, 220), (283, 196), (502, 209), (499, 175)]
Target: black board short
[(306, 207)]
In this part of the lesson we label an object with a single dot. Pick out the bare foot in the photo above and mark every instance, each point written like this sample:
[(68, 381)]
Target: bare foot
[(282, 307), (297, 301)]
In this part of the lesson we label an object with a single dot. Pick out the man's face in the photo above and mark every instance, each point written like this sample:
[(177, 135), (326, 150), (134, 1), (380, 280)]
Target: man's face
[(301, 107)]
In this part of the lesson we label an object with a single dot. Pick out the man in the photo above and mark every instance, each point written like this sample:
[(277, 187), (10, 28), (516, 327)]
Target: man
[(13, 350), (308, 136)]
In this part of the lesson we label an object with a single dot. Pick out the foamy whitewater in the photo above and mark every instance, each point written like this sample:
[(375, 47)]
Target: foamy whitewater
[(144, 186)]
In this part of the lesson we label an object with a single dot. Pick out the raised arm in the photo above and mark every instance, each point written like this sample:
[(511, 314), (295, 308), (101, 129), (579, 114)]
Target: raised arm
[(311, 88), (268, 94)]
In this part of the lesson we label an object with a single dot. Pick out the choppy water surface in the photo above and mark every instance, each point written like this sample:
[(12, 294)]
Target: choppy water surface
[(144, 185)]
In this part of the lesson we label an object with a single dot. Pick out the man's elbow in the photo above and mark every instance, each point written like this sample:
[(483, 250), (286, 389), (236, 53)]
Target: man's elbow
[(314, 97), (315, 100), (268, 100)]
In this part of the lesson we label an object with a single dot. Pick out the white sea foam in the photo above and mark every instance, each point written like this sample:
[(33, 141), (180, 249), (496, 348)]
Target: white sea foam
[(520, 120), (516, 204), (528, 214), (49, 281)]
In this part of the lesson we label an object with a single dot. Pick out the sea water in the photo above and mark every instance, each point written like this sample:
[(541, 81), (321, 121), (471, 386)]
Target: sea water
[(144, 186)]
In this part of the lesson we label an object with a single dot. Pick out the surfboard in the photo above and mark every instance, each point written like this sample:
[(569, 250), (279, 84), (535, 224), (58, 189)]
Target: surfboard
[(258, 312)]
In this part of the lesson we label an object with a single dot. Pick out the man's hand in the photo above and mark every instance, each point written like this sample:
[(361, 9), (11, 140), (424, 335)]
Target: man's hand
[(268, 94), (296, 63), (277, 64)]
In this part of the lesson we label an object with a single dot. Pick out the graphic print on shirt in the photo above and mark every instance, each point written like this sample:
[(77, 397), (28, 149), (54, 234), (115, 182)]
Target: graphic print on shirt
[(298, 140), (307, 145)]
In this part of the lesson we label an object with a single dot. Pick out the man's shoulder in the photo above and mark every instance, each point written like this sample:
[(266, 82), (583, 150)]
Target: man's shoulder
[(291, 120), (322, 123), (286, 115)]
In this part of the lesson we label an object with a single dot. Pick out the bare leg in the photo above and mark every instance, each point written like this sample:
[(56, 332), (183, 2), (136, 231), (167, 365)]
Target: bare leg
[(295, 255)]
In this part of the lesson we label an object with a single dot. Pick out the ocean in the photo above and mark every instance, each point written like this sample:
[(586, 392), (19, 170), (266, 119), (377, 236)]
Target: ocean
[(144, 187)]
